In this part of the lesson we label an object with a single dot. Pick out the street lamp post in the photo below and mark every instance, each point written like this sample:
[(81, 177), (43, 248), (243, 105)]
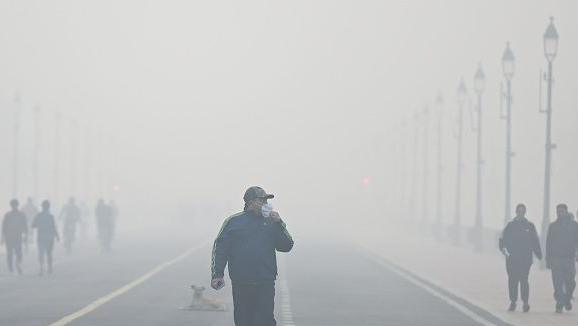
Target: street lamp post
[(508, 68), (439, 115), (16, 147), (56, 167), (73, 154), (425, 159), (414, 168), (550, 51), (36, 151), (479, 87), (462, 97)]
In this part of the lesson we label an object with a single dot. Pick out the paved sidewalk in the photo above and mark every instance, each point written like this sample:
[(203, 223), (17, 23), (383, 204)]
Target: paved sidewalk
[(479, 278)]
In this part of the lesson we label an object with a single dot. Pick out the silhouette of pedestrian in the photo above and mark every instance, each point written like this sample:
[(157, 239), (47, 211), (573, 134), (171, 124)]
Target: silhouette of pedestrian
[(14, 233), (46, 234), (518, 242), (70, 215), (247, 242), (114, 212), (30, 210), (561, 245), (84, 220), (104, 224)]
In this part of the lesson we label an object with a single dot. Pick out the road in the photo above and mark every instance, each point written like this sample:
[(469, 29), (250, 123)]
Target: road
[(321, 283)]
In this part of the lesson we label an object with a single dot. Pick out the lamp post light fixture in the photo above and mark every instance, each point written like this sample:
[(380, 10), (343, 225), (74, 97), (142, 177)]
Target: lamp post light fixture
[(550, 52), (508, 68), (462, 95), (479, 87)]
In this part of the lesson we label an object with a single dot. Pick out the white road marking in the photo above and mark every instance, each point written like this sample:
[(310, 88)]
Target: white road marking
[(101, 301), (463, 309), (285, 313)]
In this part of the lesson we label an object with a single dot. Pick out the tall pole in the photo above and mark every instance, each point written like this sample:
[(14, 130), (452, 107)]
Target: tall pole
[(508, 68), (509, 154), (548, 158), (87, 184), (439, 115), (73, 152), (478, 222), (404, 170), (16, 148), (56, 167), (479, 86), (36, 153), (551, 38), (459, 167), (414, 168), (425, 158)]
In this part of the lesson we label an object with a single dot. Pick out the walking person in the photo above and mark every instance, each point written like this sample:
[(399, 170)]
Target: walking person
[(519, 242), (46, 233), (248, 242), (114, 212), (30, 210), (70, 215), (14, 233), (104, 224), (84, 220), (561, 245)]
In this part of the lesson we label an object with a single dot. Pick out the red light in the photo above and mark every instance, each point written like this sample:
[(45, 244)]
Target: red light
[(365, 181)]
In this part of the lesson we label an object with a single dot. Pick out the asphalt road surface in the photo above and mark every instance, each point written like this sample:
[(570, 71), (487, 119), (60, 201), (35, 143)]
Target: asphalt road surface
[(321, 283)]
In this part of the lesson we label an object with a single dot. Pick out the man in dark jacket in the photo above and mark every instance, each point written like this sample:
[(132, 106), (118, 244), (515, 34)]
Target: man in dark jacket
[(561, 246), (46, 233), (247, 242), (14, 233), (519, 241)]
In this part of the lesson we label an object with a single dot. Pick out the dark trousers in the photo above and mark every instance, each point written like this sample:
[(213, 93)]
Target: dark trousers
[(563, 278), (518, 272), (254, 304), (13, 248)]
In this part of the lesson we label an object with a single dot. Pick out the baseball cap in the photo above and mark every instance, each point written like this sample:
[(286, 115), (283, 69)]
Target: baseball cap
[(256, 192)]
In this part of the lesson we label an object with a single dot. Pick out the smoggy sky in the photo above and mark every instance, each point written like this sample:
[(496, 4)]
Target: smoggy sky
[(198, 100)]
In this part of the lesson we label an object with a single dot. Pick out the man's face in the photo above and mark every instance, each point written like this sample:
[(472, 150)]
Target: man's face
[(562, 211), (521, 211), (256, 204)]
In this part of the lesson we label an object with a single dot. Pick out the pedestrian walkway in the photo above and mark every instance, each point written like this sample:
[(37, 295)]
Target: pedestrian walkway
[(479, 278)]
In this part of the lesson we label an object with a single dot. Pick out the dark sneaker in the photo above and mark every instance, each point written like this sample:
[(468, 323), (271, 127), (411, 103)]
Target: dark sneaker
[(526, 307), (559, 308), (512, 306), (568, 306)]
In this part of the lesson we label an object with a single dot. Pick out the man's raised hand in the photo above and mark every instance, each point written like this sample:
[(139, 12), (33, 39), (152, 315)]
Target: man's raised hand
[(218, 283)]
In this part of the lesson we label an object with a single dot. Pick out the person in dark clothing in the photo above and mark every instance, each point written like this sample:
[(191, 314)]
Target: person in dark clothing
[(30, 210), (45, 235), (104, 222), (561, 245), (519, 242), (14, 233), (248, 242), (70, 216)]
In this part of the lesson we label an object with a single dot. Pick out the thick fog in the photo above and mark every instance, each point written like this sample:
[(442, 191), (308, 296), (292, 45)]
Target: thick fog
[(174, 108)]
